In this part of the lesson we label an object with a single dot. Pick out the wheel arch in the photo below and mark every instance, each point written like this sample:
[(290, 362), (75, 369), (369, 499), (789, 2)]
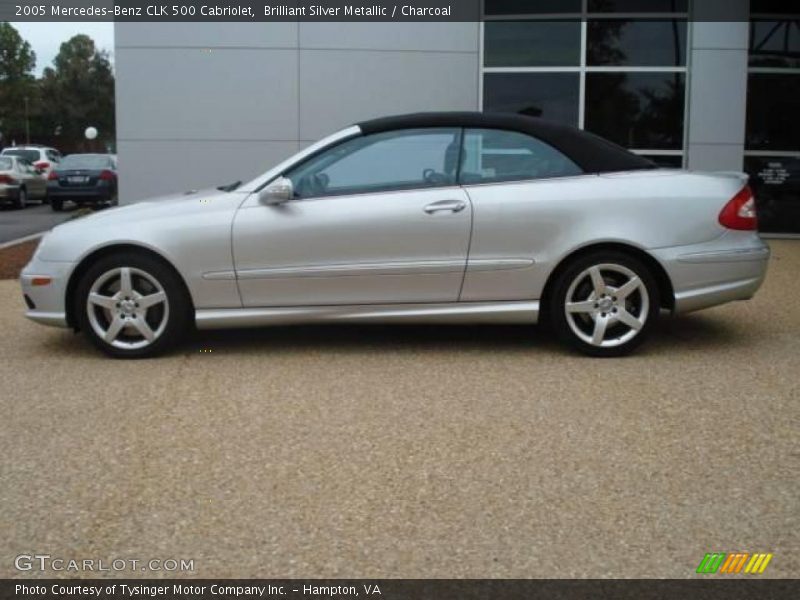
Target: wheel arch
[(98, 253), (665, 289)]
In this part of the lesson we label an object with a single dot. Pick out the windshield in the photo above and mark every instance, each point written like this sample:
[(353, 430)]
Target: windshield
[(6, 164), (31, 155), (86, 161)]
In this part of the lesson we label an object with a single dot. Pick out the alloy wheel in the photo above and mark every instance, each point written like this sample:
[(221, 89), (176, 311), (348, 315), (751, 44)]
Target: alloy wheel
[(607, 305), (127, 308)]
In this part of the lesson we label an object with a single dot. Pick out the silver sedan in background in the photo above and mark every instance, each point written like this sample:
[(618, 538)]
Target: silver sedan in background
[(435, 217), (21, 181)]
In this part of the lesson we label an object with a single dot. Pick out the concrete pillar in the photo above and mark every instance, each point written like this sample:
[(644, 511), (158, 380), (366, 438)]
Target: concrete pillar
[(718, 85)]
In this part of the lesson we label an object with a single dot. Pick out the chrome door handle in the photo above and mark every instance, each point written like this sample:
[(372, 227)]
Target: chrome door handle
[(451, 205)]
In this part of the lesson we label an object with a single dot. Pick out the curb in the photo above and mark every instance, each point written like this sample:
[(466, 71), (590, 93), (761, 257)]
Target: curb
[(21, 240)]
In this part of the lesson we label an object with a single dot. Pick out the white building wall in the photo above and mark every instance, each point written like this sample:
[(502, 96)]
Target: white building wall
[(202, 104)]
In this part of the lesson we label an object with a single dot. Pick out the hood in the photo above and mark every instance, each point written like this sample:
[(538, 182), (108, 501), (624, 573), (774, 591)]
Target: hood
[(158, 206), (139, 223)]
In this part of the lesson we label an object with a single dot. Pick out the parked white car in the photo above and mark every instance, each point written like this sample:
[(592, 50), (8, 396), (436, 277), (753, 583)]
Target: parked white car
[(442, 217), (41, 157)]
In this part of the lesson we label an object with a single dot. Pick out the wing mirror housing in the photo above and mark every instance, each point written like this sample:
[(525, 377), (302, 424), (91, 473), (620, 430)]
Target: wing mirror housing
[(279, 191)]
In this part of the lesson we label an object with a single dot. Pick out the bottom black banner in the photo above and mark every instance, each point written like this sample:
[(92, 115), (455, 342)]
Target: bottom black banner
[(400, 589)]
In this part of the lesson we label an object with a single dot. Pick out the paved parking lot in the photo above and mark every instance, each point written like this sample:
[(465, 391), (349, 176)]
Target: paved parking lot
[(411, 452), (35, 218)]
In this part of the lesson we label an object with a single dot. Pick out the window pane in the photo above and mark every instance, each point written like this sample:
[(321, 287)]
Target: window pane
[(552, 96), (383, 161), (776, 184), (636, 110), (26, 154), (773, 102), (774, 7), (775, 44), (492, 155), (617, 42), (667, 162), (531, 7), (532, 43), (638, 6)]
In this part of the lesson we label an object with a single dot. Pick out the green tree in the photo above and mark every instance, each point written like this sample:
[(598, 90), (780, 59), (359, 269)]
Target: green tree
[(78, 91), (17, 83)]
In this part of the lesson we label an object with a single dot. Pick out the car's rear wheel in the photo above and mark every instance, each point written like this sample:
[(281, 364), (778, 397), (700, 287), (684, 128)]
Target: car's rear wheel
[(57, 204), (22, 198), (604, 303), (132, 306)]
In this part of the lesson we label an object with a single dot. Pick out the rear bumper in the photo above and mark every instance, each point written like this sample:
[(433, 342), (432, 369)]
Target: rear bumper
[(715, 295), (730, 268), (100, 193), (8, 192)]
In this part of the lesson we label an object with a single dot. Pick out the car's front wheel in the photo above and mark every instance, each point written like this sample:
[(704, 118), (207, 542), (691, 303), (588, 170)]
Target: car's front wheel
[(132, 305), (604, 303)]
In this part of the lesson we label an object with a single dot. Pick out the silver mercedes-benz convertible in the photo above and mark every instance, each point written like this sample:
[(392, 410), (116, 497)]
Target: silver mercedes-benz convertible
[(434, 217)]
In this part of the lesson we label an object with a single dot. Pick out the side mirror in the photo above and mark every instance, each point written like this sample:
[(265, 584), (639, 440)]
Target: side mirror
[(279, 191)]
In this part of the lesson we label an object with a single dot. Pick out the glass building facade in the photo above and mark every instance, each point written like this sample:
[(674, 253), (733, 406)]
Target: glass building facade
[(772, 143), (621, 69)]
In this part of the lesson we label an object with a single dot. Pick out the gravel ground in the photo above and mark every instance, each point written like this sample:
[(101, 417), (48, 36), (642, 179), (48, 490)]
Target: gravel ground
[(14, 258), (410, 452)]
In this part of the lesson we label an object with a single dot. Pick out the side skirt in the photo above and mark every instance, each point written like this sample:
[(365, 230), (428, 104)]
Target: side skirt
[(454, 312)]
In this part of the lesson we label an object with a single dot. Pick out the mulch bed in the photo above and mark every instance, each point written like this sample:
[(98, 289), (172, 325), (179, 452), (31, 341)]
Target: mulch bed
[(14, 258)]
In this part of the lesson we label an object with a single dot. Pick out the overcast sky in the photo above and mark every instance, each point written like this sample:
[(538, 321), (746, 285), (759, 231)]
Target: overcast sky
[(46, 38)]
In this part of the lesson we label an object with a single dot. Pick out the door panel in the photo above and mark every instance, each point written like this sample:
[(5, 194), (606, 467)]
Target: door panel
[(521, 190), (35, 183), (388, 247)]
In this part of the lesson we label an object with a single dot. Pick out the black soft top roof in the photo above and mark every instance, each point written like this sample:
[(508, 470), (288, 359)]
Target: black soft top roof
[(590, 152)]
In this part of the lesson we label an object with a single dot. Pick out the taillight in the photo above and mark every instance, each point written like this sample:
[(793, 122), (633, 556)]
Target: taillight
[(42, 164), (740, 212), (7, 179), (107, 175), (52, 176)]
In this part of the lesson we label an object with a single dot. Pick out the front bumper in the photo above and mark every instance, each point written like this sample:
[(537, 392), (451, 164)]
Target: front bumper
[(46, 303), (730, 268)]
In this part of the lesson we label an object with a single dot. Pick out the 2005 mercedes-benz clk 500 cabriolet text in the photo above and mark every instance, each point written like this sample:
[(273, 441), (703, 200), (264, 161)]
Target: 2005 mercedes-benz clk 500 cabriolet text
[(434, 217)]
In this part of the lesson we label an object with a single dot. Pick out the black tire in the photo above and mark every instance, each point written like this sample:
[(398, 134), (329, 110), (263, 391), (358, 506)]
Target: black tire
[(21, 201), (581, 330), (57, 204), (175, 314)]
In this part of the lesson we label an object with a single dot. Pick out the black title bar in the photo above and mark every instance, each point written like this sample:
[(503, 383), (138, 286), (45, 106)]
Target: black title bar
[(710, 588), (300, 10), (240, 10)]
